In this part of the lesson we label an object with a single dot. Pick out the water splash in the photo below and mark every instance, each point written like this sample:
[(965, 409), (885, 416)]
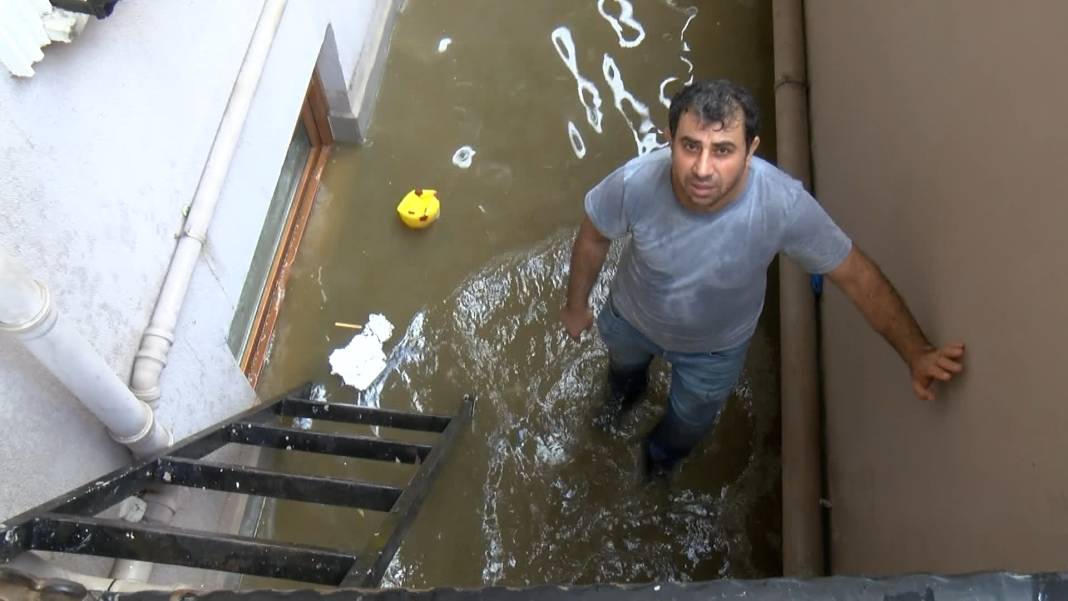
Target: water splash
[(549, 506)]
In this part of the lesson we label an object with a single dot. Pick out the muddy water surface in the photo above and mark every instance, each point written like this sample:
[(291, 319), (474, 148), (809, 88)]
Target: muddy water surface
[(511, 111)]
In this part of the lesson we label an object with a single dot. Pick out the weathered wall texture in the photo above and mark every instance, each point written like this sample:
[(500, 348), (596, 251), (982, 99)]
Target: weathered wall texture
[(940, 144), (99, 154)]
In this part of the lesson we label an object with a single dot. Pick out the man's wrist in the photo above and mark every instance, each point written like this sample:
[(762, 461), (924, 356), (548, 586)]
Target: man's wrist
[(918, 352), (571, 307)]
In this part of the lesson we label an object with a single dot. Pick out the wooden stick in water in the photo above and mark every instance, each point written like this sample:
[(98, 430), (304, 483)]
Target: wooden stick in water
[(351, 326)]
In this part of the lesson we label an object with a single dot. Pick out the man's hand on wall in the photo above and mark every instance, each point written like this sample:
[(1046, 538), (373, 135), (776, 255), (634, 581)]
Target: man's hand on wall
[(935, 364)]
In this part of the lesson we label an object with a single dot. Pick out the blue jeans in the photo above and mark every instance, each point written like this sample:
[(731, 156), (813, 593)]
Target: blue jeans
[(700, 384)]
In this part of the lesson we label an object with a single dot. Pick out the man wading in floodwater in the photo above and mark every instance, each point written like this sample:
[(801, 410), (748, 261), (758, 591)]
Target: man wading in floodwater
[(705, 219)]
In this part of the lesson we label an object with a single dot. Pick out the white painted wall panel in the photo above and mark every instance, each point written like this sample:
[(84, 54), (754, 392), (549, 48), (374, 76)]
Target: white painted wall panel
[(99, 154)]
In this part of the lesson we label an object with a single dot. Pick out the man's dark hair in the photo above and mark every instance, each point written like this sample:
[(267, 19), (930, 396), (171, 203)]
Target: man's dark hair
[(716, 101)]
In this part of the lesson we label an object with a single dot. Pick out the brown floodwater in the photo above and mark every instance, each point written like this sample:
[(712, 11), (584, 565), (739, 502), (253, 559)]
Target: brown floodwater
[(550, 96)]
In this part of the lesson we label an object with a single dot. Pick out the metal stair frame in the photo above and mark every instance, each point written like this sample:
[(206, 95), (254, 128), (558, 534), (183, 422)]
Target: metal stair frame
[(66, 523)]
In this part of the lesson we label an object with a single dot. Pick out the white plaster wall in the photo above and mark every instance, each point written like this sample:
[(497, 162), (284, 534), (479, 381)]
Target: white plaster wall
[(99, 154), (270, 127)]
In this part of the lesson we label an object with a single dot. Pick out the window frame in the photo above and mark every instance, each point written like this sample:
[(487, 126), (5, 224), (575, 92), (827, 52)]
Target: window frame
[(314, 117)]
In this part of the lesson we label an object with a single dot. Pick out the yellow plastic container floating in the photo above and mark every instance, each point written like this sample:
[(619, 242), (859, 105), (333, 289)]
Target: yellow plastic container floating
[(419, 208)]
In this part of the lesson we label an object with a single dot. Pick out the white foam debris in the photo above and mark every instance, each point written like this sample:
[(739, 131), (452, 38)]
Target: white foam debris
[(362, 360), (463, 156), (132, 509), (443, 45), (304, 423)]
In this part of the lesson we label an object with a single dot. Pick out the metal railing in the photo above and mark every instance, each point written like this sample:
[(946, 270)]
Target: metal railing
[(67, 524)]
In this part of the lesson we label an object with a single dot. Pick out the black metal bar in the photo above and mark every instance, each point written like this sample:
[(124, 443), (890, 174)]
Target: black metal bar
[(355, 414), (254, 481), (100, 493), (107, 490), (103, 492), (161, 544), (332, 444), (203, 446), (216, 436), (95, 496), (372, 564), (211, 439), (15, 539)]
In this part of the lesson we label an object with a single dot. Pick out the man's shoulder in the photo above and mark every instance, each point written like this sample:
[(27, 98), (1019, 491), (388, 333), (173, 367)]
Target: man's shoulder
[(773, 184), (647, 166), (772, 174)]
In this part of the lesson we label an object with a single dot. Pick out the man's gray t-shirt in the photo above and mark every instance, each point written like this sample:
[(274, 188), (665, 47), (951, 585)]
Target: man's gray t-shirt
[(695, 282)]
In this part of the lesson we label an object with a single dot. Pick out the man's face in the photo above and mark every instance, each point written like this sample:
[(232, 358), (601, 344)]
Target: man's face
[(709, 161)]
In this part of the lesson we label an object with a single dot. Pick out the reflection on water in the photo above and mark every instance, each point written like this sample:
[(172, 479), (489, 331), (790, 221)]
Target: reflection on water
[(625, 21), (645, 134), (587, 91), (532, 494)]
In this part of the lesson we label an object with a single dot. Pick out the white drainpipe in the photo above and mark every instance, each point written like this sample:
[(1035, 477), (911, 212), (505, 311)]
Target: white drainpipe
[(156, 343), (159, 335), (28, 313)]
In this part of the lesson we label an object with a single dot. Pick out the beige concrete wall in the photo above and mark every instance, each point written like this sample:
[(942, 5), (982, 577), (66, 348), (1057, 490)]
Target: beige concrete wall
[(941, 144)]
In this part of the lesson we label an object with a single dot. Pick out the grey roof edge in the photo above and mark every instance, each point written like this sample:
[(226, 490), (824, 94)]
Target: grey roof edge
[(981, 586)]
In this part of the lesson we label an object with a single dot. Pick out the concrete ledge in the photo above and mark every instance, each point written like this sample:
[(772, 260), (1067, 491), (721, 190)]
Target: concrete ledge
[(367, 78), (903, 588)]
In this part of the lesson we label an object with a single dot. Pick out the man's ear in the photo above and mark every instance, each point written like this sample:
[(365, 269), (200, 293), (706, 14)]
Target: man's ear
[(752, 147)]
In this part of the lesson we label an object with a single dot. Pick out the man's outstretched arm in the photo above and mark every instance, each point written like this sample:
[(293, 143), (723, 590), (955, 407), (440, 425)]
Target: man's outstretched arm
[(587, 258), (862, 281)]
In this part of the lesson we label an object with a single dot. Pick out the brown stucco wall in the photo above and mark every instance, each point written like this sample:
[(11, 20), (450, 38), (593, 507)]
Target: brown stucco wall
[(940, 144)]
